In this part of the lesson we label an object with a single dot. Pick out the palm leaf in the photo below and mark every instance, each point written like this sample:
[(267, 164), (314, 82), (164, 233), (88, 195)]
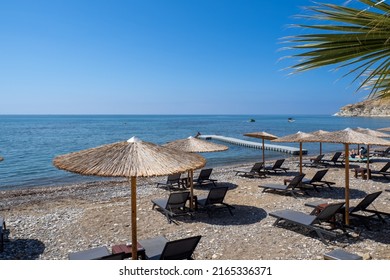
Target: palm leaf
[(357, 39)]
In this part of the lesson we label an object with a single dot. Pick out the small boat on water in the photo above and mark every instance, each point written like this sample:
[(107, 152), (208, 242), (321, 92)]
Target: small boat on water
[(290, 120), (252, 120)]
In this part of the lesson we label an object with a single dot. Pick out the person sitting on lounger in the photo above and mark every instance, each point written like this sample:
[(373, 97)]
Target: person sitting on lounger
[(363, 152)]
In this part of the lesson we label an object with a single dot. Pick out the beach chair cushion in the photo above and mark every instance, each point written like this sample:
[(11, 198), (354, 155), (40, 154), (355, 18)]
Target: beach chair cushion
[(90, 254)]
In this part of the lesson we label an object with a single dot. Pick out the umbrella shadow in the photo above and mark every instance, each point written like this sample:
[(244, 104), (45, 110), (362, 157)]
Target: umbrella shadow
[(336, 193), (209, 186), (242, 215), (22, 249), (375, 231)]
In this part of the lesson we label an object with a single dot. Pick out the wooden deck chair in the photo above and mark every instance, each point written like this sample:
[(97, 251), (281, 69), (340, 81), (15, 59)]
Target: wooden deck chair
[(215, 198), (290, 188), (204, 177), (160, 248), (174, 205), (317, 223), (255, 171)]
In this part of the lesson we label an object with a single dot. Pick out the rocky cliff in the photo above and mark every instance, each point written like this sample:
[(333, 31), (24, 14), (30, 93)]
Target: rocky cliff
[(367, 108)]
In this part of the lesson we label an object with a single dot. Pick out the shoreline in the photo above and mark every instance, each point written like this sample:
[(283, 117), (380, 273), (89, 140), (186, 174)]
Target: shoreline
[(49, 222)]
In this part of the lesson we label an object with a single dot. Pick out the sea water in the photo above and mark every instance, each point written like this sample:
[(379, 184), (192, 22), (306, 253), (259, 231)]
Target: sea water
[(29, 143)]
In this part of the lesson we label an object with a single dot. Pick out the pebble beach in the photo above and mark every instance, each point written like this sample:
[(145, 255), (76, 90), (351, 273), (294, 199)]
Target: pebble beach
[(50, 222)]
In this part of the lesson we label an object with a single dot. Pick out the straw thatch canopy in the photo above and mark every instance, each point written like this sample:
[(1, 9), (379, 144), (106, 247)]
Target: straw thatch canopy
[(372, 132), (195, 145), (348, 136), (319, 133), (133, 158), (296, 137), (261, 135)]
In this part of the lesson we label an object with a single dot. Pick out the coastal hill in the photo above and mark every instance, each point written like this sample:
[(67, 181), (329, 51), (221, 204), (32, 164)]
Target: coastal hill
[(367, 108)]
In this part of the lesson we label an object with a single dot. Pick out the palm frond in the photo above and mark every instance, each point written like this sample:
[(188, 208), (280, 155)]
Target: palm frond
[(347, 37)]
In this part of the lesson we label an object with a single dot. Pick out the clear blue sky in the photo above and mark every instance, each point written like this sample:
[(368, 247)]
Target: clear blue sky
[(157, 57)]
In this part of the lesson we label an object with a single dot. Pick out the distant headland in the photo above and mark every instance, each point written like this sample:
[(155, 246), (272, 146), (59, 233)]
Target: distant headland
[(367, 108)]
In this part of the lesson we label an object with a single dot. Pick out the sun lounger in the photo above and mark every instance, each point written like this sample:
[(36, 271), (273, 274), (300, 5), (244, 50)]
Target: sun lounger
[(172, 180), (160, 248), (313, 162), (276, 167), (384, 171), (290, 188), (335, 160), (255, 171), (204, 177), (215, 198), (323, 224), (317, 180), (382, 152), (174, 205), (361, 210)]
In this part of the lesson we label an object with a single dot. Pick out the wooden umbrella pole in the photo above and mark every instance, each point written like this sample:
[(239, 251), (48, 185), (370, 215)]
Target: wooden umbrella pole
[(320, 148), (263, 152), (346, 184), (190, 177), (134, 218), (300, 157)]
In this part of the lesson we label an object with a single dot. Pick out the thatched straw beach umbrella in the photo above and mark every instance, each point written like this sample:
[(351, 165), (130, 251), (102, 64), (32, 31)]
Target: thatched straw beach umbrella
[(131, 159), (264, 136), (297, 137), (319, 133), (194, 145), (347, 137)]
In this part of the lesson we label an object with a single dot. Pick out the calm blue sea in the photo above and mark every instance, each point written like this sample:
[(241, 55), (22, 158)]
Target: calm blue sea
[(29, 143)]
